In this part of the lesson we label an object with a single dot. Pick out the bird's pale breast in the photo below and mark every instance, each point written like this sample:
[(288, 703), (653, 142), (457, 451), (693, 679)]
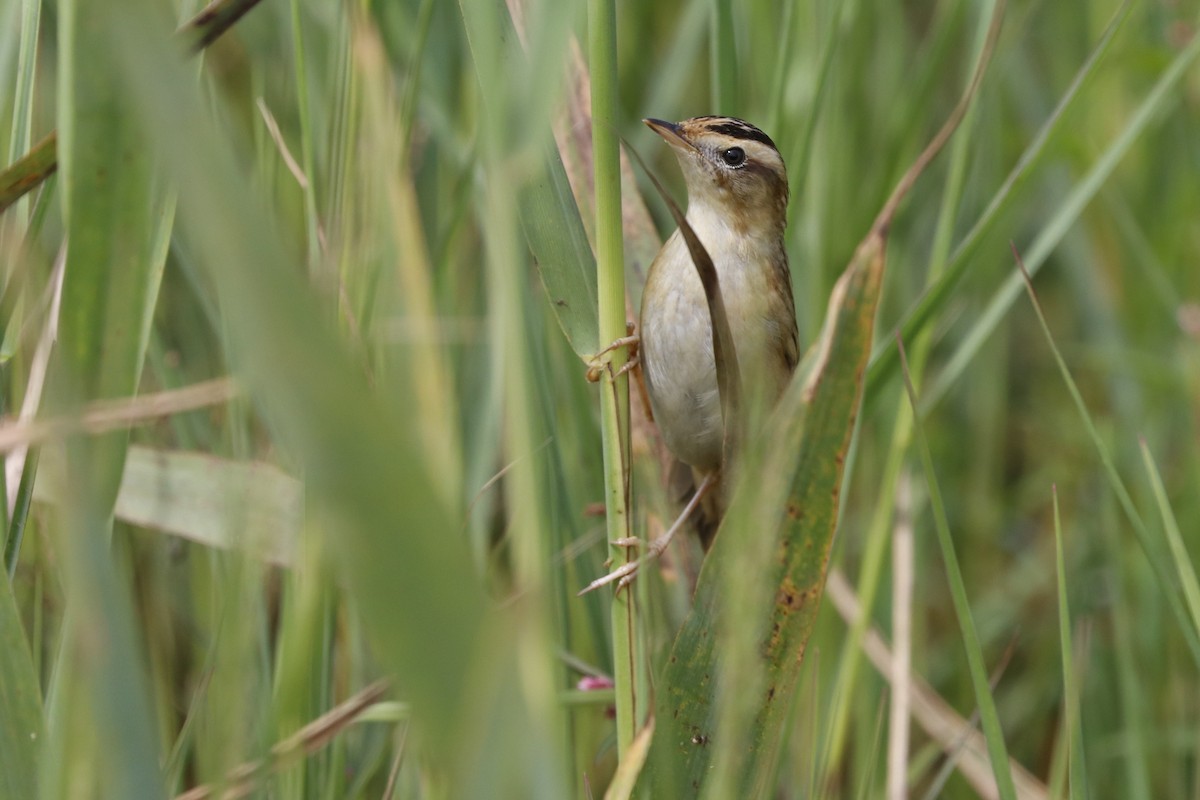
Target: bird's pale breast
[(677, 349)]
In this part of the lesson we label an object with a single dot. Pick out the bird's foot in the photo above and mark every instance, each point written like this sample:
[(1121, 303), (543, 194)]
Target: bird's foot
[(624, 574), (599, 363)]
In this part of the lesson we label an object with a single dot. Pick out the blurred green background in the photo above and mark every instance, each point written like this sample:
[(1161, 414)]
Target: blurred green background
[(326, 204)]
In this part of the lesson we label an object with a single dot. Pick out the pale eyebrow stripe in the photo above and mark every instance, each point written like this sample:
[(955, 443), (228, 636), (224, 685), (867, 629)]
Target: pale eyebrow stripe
[(743, 131)]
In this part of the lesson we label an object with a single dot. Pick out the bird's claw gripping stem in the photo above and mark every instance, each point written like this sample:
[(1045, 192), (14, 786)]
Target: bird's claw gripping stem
[(599, 363)]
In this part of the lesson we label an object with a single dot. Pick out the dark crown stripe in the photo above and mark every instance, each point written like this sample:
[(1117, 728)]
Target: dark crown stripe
[(740, 129)]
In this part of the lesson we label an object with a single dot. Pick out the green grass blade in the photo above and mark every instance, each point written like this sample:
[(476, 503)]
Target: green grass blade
[(300, 73), (115, 219), (1179, 551), (989, 718), (1072, 691), (23, 96), (20, 512), (20, 705), (1165, 582)]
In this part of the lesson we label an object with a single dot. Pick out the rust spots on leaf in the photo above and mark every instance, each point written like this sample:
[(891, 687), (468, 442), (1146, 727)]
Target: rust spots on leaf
[(788, 598)]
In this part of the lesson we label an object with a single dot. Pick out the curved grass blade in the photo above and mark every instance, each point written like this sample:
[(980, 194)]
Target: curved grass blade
[(1188, 627), (1179, 551)]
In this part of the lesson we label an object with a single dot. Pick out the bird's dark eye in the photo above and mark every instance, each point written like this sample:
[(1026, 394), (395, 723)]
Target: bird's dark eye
[(734, 156)]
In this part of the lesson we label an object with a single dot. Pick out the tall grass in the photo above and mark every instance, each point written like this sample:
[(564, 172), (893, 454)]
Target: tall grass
[(381, 220)]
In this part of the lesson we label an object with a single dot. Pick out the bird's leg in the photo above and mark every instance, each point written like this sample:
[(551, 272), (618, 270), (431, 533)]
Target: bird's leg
[(625, 574), (599, 363)]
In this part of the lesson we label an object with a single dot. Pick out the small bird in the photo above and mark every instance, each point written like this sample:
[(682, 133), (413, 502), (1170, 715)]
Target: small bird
[(737, 205)]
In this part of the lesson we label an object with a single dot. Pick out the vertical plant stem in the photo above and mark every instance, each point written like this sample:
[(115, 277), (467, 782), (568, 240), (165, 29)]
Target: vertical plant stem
[(614, 392)]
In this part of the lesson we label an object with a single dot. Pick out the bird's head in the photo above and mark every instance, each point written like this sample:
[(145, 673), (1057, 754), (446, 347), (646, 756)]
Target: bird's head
[(732, 169)]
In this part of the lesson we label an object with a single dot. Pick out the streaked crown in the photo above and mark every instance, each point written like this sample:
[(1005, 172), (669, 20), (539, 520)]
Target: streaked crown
[(731, 165)]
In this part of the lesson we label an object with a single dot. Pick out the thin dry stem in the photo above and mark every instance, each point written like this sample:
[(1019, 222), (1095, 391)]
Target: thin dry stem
[(902, 591), (110, 415), (888, 212), (930, 711), (244, 779)]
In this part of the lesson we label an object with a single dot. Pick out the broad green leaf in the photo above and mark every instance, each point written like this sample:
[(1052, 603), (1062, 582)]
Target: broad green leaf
[(206, 499)]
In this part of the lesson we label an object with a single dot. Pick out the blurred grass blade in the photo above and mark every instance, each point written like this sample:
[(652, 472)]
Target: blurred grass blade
[(1190, 628), (723, 58), (1179, 551), (622, 785), (28, 172), (216, 18), (23, 96), (1072, 690), (20, 705), (394, 524), (956, 736), (548, 212), (115, 222), (989, 717)]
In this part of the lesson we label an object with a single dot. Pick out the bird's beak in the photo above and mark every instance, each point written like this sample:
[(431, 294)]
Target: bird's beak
[(670, 132)]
